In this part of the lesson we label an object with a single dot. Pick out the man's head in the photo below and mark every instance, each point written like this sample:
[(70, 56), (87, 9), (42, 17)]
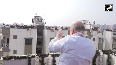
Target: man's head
[(76, 27)]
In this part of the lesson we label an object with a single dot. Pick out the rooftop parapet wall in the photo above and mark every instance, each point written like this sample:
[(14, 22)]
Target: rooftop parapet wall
[(57, 27), (87, 26), (19, 26)]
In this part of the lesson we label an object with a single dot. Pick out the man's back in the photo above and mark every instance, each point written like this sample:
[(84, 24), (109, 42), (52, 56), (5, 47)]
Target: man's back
[(76, 51)]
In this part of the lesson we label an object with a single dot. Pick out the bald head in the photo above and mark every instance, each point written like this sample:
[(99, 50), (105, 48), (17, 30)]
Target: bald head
[(76, 27)]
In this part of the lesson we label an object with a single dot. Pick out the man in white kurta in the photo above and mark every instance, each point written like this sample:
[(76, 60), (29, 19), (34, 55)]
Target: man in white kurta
[(74, 49)]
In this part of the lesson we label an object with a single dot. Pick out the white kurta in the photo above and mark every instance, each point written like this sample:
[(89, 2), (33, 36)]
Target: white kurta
[(74, 49)]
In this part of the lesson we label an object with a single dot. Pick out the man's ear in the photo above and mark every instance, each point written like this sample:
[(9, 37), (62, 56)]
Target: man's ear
[(71, 31)]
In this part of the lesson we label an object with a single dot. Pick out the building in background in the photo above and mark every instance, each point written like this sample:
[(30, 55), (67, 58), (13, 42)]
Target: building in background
[(20, 39), (103, 36)]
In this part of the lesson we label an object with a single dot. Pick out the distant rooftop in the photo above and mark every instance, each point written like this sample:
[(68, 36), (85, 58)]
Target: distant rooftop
[(19, 26), (57, 27)]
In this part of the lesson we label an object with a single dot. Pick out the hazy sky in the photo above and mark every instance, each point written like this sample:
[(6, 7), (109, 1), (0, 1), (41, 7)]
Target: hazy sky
[(57, 12)]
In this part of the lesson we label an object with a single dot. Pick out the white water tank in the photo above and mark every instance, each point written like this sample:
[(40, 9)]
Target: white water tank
[(37, 20)]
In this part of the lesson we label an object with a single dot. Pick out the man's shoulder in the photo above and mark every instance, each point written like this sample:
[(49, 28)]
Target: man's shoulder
[(73, 37), (66, 37)]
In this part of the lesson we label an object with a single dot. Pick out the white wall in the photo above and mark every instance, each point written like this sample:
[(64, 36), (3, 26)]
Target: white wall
[(108, 40), (19, 43), (95, 35), (102, 35), (49, 34)]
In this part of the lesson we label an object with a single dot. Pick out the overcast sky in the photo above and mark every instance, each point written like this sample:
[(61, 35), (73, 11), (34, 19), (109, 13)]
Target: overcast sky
[(57, 12)]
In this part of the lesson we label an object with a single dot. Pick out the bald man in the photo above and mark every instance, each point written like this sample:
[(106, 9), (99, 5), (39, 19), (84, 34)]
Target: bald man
[(74, 49)]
